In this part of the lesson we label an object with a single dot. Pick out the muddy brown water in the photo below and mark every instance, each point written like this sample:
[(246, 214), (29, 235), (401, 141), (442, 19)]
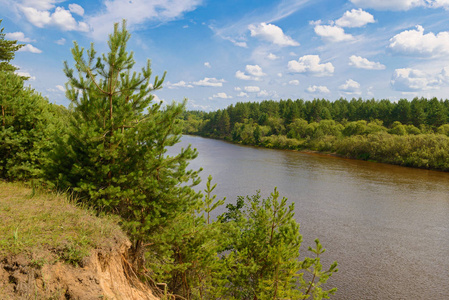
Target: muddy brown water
[(387, 226)]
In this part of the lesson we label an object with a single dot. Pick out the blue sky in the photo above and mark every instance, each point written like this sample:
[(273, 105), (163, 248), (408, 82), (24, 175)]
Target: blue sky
[(220, 52)]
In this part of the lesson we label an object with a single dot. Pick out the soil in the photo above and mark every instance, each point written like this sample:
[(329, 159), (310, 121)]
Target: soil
[(103, 275)]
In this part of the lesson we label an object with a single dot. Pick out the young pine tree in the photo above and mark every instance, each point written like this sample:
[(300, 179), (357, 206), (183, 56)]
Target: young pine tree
[(114, 154)]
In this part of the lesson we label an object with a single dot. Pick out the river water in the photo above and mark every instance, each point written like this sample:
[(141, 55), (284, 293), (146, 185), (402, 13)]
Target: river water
[(387, 226)]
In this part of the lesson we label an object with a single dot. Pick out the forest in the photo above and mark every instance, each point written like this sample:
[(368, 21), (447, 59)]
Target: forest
[(108, 152), (407, 133)]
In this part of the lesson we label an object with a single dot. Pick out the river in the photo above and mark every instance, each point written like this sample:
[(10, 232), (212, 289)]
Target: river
[(387, 226)]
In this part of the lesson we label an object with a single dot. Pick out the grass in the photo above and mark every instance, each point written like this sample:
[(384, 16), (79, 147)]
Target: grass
[(34, 222)]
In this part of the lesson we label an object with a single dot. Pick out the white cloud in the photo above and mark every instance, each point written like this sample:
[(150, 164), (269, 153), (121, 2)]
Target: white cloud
[(332, 33), (294, 82), (60, 88), (25, 74), (222, 96), (30, 48), (61, 18), (76, 9), (41, 4), (272, 56), (240, 44), (415, 42), (400, 4), (438, 3), (207, 64), (272, 33), (237, 89), (19, 36), (350, 87), (252, 89), (242, 94), (179, 84), (363, 63), (355, 18), (252, 72), (279, 75), (241, 75), (317, 89), (408, 80), (61, 41), (214, 82), (262, 93), (137, 12), (311, 64)]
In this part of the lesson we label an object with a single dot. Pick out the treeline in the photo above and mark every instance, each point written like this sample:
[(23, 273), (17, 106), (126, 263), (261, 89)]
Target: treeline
[(109, 150), (408, 133)]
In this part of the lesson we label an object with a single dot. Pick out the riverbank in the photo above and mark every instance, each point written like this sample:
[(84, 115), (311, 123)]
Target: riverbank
[(51, 249), (423, 151)]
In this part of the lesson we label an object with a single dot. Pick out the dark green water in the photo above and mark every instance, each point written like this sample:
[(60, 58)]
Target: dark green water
[(387, 226)]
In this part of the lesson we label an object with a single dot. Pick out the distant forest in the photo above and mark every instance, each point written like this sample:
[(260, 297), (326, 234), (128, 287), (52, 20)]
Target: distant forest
[(408, 133)]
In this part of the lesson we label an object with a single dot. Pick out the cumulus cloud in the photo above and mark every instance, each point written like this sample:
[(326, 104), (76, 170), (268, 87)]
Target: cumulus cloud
[(242, 94), (137, 12), (332, 33), (414, 42), (252, 72), (263, 93), (317, 89), (294, 82), (400, 4), (40, 4), (61, 41), (363, 63), (76, 9), (213, 82), (272, 56), (310, 64), (252, 89), (355, 18), (272, 33), (61, 18), (207, 64), (60, 88), (241, 75), (221, 96), (411, 80), (30, 48), (180, 84), (350, 87), (18, 36)]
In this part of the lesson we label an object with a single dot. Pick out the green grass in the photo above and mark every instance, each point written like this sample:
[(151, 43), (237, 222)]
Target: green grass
[(38, 223)]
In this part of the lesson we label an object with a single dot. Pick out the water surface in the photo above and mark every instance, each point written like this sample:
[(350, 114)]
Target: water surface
[(387, 226)]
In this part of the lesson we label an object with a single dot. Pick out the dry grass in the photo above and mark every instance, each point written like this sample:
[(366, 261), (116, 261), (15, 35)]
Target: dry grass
[(34, 224)]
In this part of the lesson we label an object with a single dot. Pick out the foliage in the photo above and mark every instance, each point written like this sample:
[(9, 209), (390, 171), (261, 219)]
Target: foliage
[(261, 261), (381, 131), (27, 120), (114, 153), (7, 52), (185, 255)]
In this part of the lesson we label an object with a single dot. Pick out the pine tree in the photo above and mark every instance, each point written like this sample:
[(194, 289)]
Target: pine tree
[(7, 52), (114, 154)]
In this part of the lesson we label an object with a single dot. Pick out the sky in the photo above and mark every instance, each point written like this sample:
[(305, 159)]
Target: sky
[(217, 53)]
